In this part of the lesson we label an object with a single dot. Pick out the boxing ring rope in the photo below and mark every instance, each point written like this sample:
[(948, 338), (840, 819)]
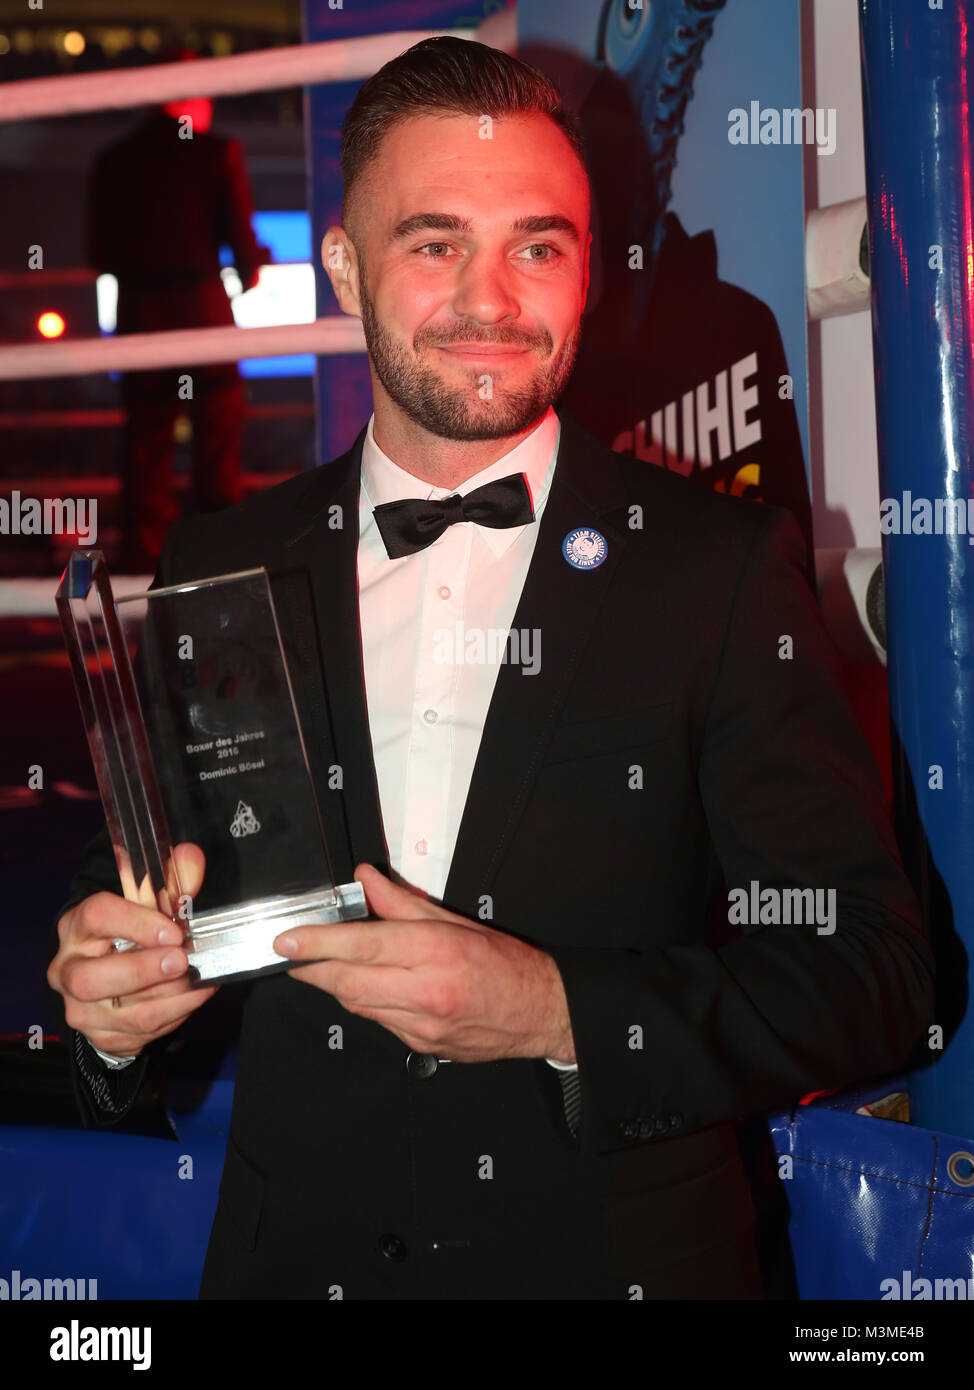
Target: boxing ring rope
[(184, 347), (297, 65)]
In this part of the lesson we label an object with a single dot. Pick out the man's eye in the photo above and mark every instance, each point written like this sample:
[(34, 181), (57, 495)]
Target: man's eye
[(441, 244), (542, 246)]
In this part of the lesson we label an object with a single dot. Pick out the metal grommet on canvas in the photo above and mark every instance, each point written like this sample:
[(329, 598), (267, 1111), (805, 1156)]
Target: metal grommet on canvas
[(958, 1162)]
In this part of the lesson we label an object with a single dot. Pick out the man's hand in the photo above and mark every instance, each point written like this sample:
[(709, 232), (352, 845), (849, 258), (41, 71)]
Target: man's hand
[(151, 985), (442, 983)]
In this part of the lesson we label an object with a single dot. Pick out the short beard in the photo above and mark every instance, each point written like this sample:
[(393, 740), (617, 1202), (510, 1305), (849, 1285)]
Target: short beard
[(454, 412)]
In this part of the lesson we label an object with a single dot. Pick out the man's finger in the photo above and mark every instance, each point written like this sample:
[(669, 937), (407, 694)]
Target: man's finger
[(364, 986), (129, 1026), (190, 869), (181, 984), (403, 944), (392, 900), (105, 916), (109, 976)]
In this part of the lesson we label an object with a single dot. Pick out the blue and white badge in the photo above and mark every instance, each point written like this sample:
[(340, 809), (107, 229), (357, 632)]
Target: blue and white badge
[(585, 548)]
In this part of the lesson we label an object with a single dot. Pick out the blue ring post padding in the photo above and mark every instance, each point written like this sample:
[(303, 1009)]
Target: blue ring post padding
[(917, 85), (874, 1205), (133, 1214)]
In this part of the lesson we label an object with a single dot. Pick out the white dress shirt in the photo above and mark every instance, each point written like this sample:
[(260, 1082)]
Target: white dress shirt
[(427, 700), (421, 616)]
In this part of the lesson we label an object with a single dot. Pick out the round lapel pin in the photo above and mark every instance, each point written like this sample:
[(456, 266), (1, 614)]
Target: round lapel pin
[(584, 548)]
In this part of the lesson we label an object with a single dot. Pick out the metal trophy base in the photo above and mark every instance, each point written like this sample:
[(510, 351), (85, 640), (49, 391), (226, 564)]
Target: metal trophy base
[(240, 943)]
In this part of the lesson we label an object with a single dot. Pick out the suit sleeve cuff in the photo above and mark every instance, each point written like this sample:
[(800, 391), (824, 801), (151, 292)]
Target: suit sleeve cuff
[(109, 1058)]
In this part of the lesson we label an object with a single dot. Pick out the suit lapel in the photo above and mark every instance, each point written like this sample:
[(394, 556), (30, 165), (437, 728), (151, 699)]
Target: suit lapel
[(330, 640), (559, 602)]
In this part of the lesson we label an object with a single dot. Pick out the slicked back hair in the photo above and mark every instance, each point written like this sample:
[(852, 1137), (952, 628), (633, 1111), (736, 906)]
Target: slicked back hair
[(449, 76)]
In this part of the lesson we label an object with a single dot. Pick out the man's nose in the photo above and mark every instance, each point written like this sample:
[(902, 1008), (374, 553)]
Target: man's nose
[(485, 290)]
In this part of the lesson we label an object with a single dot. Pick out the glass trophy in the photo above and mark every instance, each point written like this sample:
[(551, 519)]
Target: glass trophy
[(194, 734)]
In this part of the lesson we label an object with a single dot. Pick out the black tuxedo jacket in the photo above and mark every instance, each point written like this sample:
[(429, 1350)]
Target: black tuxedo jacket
[(668, 746), (159, 209)]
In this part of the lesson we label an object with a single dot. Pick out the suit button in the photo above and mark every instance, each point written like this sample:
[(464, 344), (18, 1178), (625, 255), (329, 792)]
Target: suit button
[(661, 1124), (421, 1064), (676, 1120), (646, 1128), (629, 1128), (392, 1247)]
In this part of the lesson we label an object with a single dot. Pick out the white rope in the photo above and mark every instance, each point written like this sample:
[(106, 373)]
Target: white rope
[(185, 347), (34, 598), (338, 60)]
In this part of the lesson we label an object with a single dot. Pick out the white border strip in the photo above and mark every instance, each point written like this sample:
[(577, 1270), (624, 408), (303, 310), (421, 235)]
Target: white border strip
[(338, 60), (184, 347)]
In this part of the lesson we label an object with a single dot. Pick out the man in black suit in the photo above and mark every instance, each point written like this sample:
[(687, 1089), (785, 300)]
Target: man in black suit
[(520, 1079), (161, 202)]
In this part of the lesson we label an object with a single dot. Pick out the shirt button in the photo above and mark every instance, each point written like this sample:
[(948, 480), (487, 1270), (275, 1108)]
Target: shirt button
[(443, 591), (421, 1065), (392, 1247), (421, 846), (430, 716)]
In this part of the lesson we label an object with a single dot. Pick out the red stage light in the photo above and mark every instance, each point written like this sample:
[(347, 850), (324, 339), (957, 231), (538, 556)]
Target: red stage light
[(50, 324)]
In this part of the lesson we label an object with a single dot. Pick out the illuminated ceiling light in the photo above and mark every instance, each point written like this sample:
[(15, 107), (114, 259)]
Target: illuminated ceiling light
[(150, 39), (106, 298), (114, 41), (74, 43), (4, 44), (50, 324), (23, 40), (221, 45)]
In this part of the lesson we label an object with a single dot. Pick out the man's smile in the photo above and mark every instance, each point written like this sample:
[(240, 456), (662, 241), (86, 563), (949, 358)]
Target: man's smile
[(478, 351)]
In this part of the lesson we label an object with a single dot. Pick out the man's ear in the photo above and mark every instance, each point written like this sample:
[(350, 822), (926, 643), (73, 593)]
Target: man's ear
[(341, 264)]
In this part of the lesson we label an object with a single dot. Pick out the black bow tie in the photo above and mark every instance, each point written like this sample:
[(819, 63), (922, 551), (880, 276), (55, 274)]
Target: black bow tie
[(412, 524)]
